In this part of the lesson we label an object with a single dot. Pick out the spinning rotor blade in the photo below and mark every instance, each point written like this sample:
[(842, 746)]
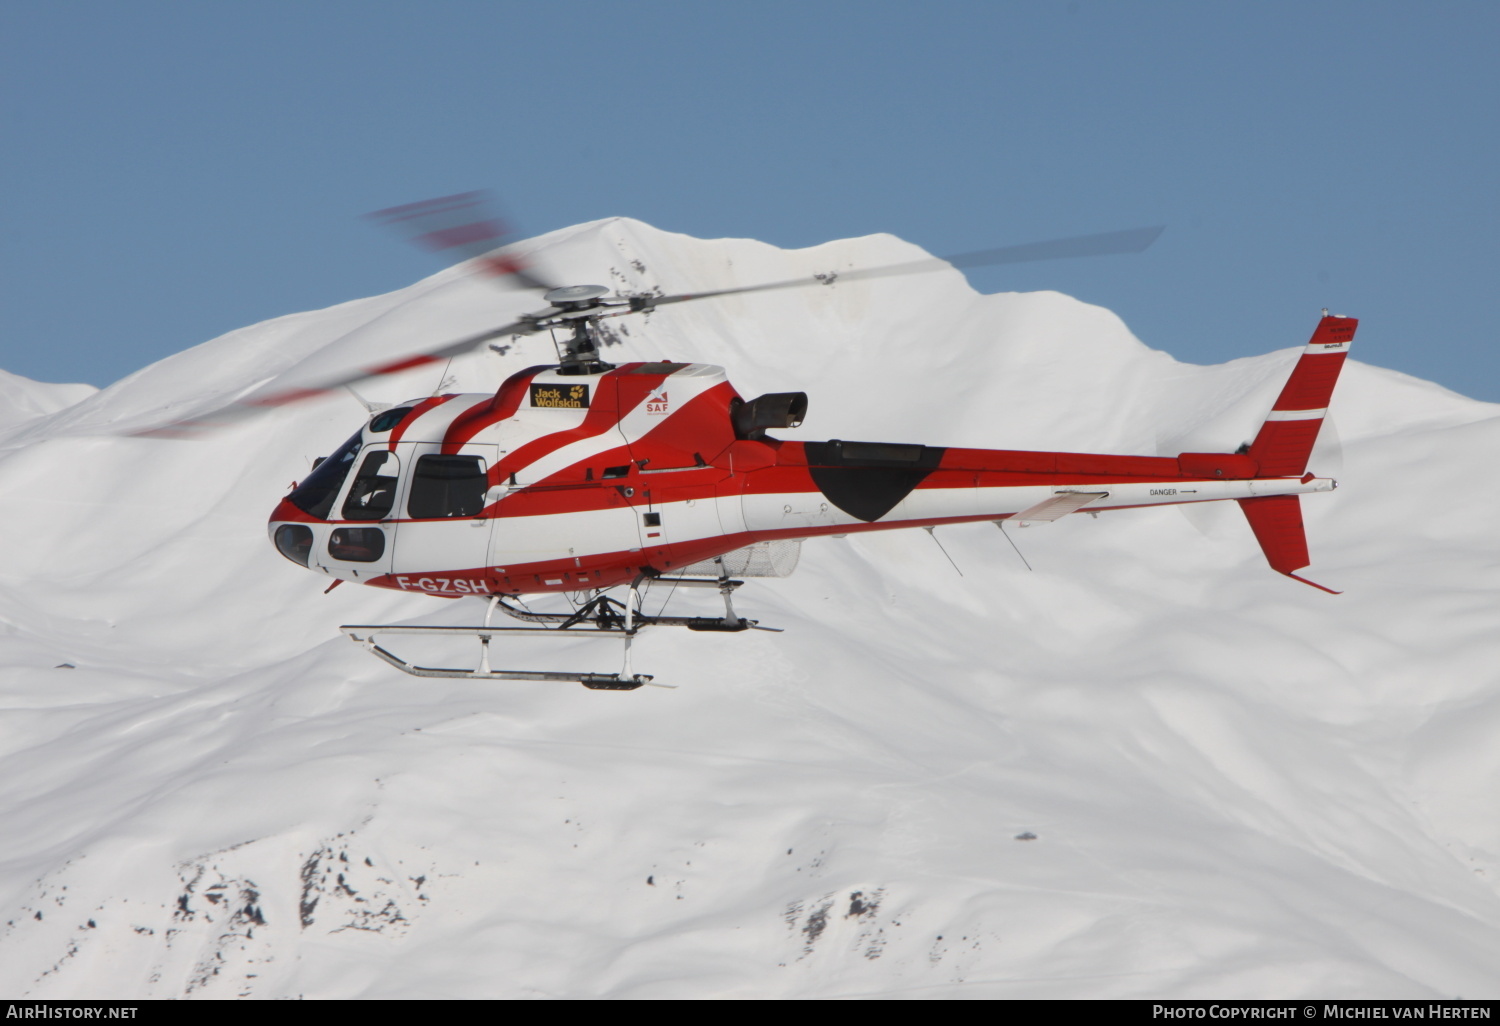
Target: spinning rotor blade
[(260, 400), (406, 363), (465, 228), (1132, 240)]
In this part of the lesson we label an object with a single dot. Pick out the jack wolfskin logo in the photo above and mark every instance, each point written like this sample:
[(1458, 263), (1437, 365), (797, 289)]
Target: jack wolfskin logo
[(566, 397)]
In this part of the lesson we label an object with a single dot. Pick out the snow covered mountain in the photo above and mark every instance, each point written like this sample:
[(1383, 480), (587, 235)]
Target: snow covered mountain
[(22, 399), (1150, 767)]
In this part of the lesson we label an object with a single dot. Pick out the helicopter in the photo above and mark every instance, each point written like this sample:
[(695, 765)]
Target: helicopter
[(583, 477)]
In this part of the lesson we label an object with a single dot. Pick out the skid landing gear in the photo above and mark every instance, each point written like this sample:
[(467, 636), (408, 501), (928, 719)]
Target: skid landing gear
[(600, 615)]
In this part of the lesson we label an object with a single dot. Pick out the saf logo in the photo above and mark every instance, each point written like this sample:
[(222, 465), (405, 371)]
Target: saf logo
[(657, 405)]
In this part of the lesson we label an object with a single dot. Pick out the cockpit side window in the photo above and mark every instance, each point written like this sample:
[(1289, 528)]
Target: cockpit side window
[(373, 492), (315, 495), (447, 486)]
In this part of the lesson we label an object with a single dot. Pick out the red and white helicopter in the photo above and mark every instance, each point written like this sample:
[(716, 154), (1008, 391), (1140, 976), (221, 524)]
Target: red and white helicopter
[(584, 476)]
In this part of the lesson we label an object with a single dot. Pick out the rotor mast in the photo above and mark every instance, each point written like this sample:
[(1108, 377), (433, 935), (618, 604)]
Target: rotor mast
[(579, 307)]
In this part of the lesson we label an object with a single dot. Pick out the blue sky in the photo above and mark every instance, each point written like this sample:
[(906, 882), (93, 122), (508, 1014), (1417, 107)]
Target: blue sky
[(175, 170)]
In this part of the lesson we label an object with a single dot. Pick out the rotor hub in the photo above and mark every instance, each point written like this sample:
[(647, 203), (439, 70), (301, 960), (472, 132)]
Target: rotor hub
[(574, 297)]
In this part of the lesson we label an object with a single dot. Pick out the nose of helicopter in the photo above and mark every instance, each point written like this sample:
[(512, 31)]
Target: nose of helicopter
[(292, 539)]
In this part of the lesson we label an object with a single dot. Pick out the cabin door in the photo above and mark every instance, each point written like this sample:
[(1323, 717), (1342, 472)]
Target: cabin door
[(442, 542)]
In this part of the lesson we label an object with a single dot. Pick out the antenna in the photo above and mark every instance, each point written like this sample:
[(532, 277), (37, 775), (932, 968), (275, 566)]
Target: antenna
[(1001, 524), (443, 379), (370, 408), (933, 535)]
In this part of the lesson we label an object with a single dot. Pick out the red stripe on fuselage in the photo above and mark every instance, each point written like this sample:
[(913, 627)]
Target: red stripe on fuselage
[(602, 417), (286, 510), (701, 427), (422, 407), (682, 435), (507, 400), (773, 468)]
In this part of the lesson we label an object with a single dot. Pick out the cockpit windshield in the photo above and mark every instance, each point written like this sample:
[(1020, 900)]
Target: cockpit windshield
[(315, 495)]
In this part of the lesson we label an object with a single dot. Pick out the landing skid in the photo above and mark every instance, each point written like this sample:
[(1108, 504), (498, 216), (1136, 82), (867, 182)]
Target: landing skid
[(601, 615)]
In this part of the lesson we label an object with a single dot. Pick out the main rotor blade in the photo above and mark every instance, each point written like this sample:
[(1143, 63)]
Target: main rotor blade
[(463, 227), (466, 228), (1132, 240), (260, 400)]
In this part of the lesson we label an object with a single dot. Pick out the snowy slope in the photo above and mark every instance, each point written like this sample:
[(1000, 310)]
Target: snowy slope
[(22, 399), (1237, 785)]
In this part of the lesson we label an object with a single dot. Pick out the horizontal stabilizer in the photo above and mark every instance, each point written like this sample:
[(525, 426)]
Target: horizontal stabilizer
[(1057, 507)]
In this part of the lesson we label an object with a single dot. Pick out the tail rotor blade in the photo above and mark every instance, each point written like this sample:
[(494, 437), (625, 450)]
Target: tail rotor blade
[(1328, 451)]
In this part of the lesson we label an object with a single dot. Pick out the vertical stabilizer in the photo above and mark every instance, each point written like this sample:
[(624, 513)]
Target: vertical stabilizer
[(1285, 441)]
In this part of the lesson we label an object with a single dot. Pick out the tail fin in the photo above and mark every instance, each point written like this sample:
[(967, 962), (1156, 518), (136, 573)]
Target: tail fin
[(1277, 523), (1285, 441)]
